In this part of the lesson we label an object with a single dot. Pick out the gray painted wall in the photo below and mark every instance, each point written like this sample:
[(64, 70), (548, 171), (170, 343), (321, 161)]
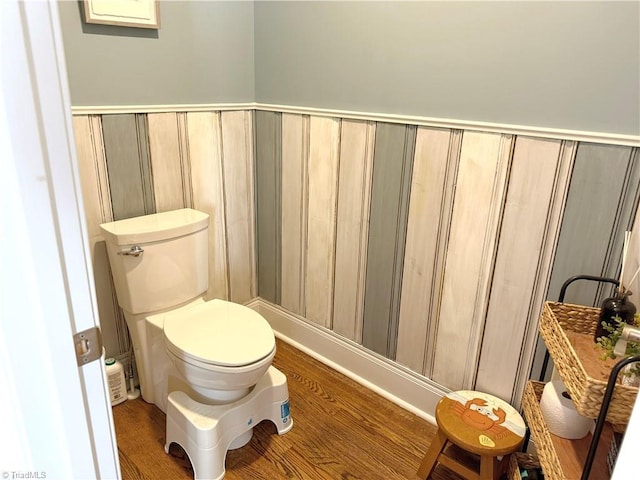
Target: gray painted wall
[(567, 65), (203, 53)]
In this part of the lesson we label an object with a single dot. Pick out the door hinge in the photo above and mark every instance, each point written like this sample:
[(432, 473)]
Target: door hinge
[(88, 345)]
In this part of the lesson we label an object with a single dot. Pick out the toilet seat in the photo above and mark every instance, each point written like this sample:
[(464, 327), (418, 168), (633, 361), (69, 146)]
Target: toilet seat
[(219, 335)]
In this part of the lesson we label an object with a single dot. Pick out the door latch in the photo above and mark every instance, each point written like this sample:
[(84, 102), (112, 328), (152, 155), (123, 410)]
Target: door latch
[(88, 345)]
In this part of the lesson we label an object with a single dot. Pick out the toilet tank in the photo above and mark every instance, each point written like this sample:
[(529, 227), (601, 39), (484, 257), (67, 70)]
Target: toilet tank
[(173, 265)]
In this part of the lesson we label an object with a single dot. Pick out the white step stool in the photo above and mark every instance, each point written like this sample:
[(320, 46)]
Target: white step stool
[(206, 432)]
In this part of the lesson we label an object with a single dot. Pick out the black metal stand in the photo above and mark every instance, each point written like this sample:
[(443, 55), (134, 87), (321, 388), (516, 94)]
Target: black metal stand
[(606, 400), (613, 376)]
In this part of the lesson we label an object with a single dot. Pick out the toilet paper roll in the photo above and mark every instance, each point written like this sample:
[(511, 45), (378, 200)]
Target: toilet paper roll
[(560, 414)]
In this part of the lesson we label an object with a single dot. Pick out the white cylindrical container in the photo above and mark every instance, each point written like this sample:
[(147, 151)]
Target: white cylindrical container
[(560, 413), (117, 384)]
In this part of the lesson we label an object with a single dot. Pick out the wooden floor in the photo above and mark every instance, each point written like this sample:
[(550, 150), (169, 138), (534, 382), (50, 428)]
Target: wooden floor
[(341, 430)]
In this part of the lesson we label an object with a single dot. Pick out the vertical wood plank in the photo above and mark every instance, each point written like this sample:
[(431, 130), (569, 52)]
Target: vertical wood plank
[(632, 263), (354, 187), (268, 211), (525, 222), (625, 215), (595, 196), (238, 169), (165, 146), (110, 301), (185, 160), (295, 155), (127, 156), (392, 163), (324, 145), (444, 235), (92, 168), (546, 255), (205, 156), (484, 161), (426, 219), (145, 164)]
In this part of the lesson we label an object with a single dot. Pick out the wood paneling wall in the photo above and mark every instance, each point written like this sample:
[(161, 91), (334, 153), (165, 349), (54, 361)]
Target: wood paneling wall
[(538, 179), (477, 205), (602, 198), (392, 165), (268, 130), (295, 161), (207, 182), (433, 247), (352, 226), (126, 149), (239, 203), (434, 177), (322, 180), (136, 164), (96, 195), (169, 161)]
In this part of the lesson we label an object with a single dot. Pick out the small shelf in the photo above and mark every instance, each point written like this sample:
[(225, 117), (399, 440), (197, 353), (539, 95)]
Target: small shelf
[(561, 458), (568, 332)]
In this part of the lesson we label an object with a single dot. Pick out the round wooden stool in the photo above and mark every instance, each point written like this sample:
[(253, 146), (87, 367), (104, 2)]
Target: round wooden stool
[(478, 424)]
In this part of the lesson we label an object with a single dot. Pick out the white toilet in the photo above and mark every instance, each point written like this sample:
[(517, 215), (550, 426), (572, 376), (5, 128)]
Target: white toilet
[(206, 364)]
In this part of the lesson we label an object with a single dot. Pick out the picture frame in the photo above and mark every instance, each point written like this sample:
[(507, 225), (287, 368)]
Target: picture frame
[(123, 13)]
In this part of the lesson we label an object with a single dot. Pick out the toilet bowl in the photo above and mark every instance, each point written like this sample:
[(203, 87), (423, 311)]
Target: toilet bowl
[(209, 353), (220, 348)]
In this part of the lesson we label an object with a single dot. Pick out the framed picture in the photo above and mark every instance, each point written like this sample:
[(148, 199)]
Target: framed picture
[(125, 13)]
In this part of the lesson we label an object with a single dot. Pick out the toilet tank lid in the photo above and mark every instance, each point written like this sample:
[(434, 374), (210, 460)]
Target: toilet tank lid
[(154, 227)]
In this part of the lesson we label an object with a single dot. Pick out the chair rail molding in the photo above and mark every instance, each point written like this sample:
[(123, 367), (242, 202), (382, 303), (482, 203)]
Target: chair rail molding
[(460, 124)]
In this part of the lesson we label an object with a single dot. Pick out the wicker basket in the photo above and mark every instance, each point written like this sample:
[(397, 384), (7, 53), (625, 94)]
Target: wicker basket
[(544, 445), (514, 470), (521, 459), (568, 333)]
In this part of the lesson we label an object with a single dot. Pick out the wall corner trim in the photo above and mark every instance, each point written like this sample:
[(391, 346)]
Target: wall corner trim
[(530, 131), (393, 382)]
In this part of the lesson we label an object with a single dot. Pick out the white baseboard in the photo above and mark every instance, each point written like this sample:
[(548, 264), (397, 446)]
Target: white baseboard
[(388, 379)]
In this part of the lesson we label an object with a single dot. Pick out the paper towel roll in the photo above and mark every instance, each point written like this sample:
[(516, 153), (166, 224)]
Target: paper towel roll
[(560, 414)]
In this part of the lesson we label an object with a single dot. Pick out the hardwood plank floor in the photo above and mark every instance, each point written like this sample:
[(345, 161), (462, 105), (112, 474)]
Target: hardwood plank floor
[(341, 431)]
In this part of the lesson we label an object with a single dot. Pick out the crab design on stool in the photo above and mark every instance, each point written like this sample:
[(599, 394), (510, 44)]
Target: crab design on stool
[(480, 424)]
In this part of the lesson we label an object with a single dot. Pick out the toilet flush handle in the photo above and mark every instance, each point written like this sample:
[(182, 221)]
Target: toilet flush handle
[(135, 251)]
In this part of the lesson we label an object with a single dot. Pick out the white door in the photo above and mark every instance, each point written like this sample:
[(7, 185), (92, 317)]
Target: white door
[(55, 417)]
